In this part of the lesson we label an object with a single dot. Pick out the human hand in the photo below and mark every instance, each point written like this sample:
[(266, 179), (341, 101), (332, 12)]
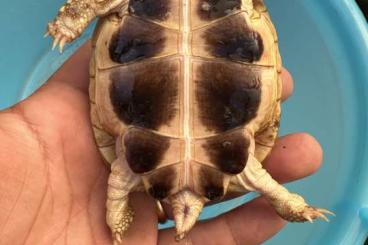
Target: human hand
[(53, 181)]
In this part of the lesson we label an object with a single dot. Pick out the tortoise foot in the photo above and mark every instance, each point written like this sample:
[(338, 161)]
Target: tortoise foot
[(120, 224), (295, 209)]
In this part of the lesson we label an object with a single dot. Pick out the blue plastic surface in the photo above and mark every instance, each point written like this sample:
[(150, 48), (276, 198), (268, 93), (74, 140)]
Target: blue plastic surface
[(325, 46)]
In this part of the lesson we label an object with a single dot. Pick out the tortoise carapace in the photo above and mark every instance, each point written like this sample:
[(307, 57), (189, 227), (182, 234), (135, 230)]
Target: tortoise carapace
[(185, 102)]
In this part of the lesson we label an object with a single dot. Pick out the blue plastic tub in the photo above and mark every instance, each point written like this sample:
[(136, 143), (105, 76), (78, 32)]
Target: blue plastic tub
[(325, 46)]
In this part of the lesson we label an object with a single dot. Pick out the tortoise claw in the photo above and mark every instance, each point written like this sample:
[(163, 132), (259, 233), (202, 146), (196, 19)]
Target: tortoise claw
[(60, 33), (296, 210), (322, 216), (310, 213), (307, 217), (120, 223), (179, 237), (326, 211), (56, 41), (62, 44), (118, 237), (322, 212)]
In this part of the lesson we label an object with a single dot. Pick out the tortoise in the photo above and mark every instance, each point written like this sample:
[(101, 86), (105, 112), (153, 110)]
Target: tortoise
[(185, 103)]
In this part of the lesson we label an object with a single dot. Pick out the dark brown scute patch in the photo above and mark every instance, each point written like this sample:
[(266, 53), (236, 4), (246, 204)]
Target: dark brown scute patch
[(232, 39), (136, 40), (214, 9), (145, 95), (162, 181), (229, 152), (151, 9), (212, 182), (228, 95), (144, 150)]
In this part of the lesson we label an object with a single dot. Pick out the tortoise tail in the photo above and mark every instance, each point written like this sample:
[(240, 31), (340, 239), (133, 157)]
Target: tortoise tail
[(186, 208)]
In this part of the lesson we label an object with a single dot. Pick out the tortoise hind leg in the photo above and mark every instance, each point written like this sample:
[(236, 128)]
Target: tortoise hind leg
[(289, 206), (119, 214)]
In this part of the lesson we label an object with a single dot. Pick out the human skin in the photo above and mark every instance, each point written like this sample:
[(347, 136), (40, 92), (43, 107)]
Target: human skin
[(53, 180)]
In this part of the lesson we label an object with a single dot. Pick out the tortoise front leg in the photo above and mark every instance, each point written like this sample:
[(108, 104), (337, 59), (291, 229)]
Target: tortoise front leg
[(119, 215), (75, 16), (289, 206)]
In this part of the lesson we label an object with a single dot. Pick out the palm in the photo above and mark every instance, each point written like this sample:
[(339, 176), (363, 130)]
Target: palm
[(53, 183), (56, 186)]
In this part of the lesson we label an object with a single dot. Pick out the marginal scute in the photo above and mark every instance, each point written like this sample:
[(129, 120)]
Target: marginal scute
[(214, 9), (229, 151), (136, 40), (151, 9), (228, 95), (103, 139), (144, 149), (138, 97), (231, 38)]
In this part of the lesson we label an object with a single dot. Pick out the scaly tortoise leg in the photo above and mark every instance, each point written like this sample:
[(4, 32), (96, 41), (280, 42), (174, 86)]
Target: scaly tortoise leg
[(119, 215), (74, 17), (289, 206)]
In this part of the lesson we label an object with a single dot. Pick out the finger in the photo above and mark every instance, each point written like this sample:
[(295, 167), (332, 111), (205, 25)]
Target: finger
[(287, 84), (75, 71), (294, 156), (144, 227)]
